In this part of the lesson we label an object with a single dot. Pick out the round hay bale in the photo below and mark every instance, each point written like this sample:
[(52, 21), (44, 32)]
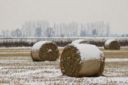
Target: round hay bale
[(79, 60), (112, 44), (80, 41), (44, 50)]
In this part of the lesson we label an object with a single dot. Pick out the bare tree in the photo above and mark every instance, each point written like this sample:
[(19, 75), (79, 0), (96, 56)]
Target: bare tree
[(16, 33), (3, 32), (49, 32), (94, 32), (38, 32)]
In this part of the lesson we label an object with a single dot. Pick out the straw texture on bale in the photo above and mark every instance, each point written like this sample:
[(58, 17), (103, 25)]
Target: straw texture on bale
[(44, 50), (79, 60), (112, 44)]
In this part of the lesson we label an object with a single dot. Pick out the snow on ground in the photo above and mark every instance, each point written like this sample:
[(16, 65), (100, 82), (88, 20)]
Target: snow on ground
[(117, 60), (21, 70), (15, 48), (27, 72)]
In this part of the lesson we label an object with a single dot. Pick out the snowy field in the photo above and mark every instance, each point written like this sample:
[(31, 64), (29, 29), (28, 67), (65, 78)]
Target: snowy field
[(17, 68)]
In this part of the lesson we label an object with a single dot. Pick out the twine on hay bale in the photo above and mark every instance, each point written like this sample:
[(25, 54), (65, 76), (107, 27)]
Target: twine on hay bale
[(78, 60), (112, 44), (44, 50)]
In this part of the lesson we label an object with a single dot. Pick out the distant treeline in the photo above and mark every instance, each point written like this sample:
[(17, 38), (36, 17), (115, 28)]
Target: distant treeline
[(59, 43)]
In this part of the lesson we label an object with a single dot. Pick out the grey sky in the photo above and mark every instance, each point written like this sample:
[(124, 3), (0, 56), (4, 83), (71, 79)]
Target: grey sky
[(13, 13)]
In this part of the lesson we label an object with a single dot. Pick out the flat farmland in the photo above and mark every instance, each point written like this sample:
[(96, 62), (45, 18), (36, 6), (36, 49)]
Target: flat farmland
[(17, 68)]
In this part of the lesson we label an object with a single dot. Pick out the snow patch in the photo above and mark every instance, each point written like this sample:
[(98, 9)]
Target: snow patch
[(41, 72), (117, 60), (88, 51), (109, 41), (39, 44), (77, 41)]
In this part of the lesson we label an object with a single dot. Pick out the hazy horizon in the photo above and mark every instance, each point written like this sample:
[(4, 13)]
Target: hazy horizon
[(14, 13)]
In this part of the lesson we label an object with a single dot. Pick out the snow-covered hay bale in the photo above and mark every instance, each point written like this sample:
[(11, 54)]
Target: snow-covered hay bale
[(44, 50), (80, 41), (112, 44), (78, 60)]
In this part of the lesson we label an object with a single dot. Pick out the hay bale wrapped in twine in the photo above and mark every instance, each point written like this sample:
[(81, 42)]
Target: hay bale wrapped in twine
[(78, 60), (112, 44), (44, 50)]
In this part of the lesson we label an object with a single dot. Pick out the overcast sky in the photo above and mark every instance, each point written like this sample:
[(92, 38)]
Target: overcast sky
[(13, 13)]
